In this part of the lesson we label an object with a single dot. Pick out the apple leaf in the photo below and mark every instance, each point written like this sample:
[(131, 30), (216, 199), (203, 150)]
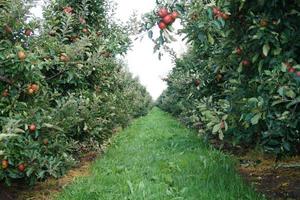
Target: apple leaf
[(266, 49)]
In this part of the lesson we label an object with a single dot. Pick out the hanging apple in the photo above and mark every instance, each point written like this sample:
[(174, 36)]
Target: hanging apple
[(32, 128), (162, 25), (21, 55), (28, 32), (163, 12)]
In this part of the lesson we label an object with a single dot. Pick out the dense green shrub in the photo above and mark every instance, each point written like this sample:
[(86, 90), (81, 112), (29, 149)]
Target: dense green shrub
[(63, 90), (240, 78)]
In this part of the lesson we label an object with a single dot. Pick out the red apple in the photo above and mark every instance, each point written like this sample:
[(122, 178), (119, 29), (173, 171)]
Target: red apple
[(225, 16), (292, 70), (4, 164), (168, 19), (175, 14), (216, 10), (68, 9), (246, 62), (21, 167), (239, 50), (28, 32), (162, 25), (263, 23), (197, 82), (32, 128), (5, 93), (21, 55), (163, 12)]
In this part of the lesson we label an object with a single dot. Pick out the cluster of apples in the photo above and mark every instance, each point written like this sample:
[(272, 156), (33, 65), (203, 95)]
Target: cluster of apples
[(292, 69), (239, 51), (167, 18), (32, 88), (219, 14), (5, 165)]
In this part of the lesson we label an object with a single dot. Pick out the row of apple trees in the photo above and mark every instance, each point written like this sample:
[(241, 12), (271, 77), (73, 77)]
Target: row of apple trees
[(240, 79), (63, 90)]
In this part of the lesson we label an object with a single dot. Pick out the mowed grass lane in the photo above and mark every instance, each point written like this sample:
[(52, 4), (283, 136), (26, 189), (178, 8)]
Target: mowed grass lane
[(157, 158)]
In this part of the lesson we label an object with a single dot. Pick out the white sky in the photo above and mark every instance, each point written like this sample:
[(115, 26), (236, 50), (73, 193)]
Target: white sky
[(142, 62)]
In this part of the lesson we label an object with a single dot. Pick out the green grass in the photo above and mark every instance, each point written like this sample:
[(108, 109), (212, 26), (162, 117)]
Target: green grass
[(158, 158)]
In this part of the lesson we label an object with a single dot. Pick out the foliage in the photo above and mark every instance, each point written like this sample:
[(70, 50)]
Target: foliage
[(62, 86), (240, 78)]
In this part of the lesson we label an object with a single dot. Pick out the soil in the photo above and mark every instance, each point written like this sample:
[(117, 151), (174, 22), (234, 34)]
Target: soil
[(276, 179)]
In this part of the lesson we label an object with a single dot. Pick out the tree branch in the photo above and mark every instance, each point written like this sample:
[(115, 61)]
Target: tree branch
[(6, 80)]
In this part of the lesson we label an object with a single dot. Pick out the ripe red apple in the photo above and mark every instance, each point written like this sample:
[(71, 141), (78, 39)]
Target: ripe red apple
[(28, 32), (162, 25), (163, 12), (239, 51), (5, 93), (68, 9), (4, 164), (82, 20), (175, 14), (21, 167), (35, 87), (197, 82), (30, 91), (225, 16), (168, 19), (263, 23), (45, 141), (219, 77), (216, 10), (85, 30), (21, 55), (298, 74), (32, 127), (64, 58), (246, 62), (292, 70)]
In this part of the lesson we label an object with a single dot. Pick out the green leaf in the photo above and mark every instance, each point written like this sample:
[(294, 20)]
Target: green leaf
[(266, 49), (216, 128), (281, 91), (290, 93), (211, 40), (256, 119), (277, 51), (201, 37), (217, 24), (294, 102), (286, 146), (209, 13), (150, 34), (240, 69), (277, 102)]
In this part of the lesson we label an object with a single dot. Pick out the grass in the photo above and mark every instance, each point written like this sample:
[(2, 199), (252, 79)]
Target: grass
[(157, 158)]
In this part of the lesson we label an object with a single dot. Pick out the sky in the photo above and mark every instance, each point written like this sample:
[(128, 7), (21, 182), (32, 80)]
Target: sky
[(141, 60)]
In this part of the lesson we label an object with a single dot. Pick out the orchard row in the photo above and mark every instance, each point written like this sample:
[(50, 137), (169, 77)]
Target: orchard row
[(63, 89), (239, 81)]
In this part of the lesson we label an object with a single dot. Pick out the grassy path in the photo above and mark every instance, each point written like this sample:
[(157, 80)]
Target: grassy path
[(156, 158)]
